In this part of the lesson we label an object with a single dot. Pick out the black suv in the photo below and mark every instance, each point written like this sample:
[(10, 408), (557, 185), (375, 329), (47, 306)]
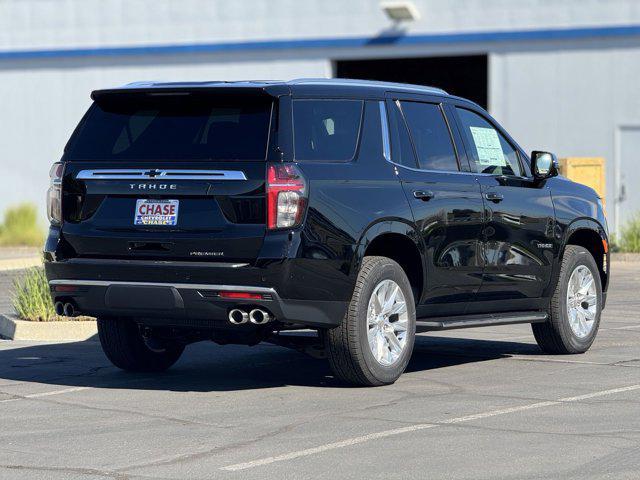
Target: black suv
[(366, 211)]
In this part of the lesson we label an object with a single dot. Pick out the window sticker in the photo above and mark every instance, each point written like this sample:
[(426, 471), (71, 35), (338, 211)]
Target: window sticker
[(488, 147), (329, 126)]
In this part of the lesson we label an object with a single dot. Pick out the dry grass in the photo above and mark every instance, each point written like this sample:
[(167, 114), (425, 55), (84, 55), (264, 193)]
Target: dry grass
[(630, 236), (20, 227), (32, 300)]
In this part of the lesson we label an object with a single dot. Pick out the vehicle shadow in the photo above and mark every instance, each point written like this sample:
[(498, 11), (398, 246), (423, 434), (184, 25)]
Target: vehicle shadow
[(206, 367)]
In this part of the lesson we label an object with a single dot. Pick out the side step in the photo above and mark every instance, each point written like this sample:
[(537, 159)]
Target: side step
[(482, 320)]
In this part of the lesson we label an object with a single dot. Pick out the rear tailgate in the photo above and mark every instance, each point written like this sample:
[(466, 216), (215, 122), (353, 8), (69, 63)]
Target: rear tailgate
[(220, 212), (169, 175)]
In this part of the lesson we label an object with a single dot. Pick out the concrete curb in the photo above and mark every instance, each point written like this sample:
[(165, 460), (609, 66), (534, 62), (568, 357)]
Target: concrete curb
[(625, 257), (19, 263), (78, 331)]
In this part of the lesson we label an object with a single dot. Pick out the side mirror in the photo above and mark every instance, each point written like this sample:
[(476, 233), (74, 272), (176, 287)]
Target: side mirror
[(543, 165)]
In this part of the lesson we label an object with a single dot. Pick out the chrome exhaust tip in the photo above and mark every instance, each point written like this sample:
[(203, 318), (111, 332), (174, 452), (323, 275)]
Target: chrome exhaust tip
[(259, 316), (59, 308), (69, 310), (238, 317)]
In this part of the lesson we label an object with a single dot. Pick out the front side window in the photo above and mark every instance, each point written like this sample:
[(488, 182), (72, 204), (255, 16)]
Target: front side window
[(431, 136), (490, 151), (326, 130)]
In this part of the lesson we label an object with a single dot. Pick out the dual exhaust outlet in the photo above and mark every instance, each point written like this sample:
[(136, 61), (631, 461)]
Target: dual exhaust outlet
[(67, 309), (257, 316)]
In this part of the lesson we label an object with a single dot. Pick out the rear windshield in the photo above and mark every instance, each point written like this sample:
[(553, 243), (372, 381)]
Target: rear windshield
[(173, 127), (326, 130)]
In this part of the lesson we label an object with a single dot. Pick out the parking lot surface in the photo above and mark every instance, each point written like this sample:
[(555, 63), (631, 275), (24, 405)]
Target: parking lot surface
[(474, 404)]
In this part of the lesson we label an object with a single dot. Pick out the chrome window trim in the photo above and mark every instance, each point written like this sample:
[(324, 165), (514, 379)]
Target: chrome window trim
[(185, 286), (384, 119), (386, 142), (450, 172), (383, 115), (398, 103), (158, 174)]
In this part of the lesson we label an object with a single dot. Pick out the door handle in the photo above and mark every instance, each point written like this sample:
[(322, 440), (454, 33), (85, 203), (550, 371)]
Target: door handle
[(494, 197), (424, 195)]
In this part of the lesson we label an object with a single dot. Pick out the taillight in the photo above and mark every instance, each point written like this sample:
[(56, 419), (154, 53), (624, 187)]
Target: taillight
[(286, 195), (54, 194)]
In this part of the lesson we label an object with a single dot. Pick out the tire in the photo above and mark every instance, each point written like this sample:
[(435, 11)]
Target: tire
[(557, 336), (348, 348), (126, 349)]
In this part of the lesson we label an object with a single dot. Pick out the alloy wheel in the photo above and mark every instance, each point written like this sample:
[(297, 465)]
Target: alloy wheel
[(582, 301), (387, 322)]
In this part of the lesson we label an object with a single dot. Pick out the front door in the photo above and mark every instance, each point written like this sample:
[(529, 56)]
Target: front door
[(446, 204), (517, 238)]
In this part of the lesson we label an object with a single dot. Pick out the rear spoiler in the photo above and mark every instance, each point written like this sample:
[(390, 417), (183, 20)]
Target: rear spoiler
[(208, 88)]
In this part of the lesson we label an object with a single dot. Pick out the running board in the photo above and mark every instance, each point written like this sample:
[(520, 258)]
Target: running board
[(483, 320)]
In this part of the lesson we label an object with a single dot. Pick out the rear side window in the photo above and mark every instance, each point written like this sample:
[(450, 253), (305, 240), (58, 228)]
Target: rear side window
[(430, 135), (173, 127), (490, 151), (401, 148), (326, 130)]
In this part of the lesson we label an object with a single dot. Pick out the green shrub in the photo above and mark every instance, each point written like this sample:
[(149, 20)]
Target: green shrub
[(630, 236), (20, 227), (31, 299)]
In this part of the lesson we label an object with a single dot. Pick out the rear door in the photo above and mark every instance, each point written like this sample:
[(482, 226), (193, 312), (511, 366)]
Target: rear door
[(445, 201), (171, 175), (518, 235)]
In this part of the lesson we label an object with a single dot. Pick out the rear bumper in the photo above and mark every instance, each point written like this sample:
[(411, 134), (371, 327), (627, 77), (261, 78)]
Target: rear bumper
[(182, 294)]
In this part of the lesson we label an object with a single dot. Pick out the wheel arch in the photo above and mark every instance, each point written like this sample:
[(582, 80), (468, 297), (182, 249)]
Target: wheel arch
[(592, 236), (400, 242)]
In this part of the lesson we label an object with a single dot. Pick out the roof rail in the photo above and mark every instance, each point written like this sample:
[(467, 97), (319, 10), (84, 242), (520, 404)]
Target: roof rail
[(298, 81), (366, 83)]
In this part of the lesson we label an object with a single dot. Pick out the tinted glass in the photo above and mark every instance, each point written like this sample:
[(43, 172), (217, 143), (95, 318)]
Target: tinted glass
[(371, 137), (490, 152), (185, 127), (430, 135), (401, 149), (326, 129)]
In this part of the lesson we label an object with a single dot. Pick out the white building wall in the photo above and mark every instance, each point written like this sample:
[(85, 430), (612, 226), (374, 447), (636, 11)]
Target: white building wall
[(40, 107), (43, 24), (561, 95), (569, 100)]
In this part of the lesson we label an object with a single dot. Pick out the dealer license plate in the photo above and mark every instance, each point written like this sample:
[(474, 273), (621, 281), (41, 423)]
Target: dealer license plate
[(156, 212)]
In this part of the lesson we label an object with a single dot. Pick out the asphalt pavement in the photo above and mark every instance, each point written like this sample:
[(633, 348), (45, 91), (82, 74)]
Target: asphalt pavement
[(474, 404)]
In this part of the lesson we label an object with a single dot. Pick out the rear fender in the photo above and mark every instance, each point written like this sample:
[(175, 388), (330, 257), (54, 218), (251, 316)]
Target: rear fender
[(383, 227)]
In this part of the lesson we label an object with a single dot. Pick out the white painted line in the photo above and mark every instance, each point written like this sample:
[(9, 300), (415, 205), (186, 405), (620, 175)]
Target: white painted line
[(602, 393), (328, 446), (554, 360), (44, 394), (630, 327), (518, 337), (420, 426)]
